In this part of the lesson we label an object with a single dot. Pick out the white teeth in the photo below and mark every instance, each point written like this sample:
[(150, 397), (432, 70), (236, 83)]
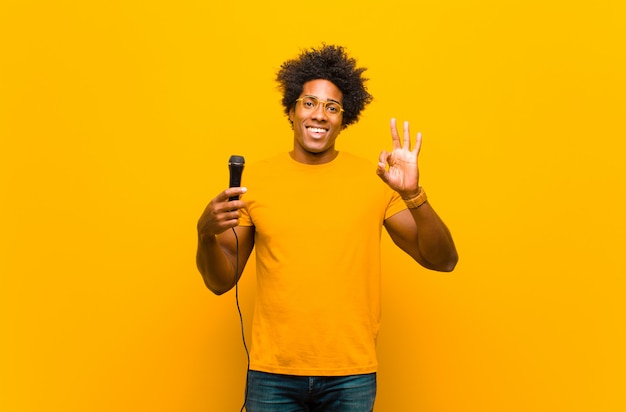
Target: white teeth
[(316, 129)]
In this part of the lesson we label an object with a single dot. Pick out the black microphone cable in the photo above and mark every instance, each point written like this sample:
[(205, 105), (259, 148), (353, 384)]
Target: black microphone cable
[(243, 336)]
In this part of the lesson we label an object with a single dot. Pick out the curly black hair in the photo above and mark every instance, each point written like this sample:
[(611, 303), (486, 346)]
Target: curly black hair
[(330, 63)]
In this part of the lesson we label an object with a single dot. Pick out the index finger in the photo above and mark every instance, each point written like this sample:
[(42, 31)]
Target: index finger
[(231, 192)]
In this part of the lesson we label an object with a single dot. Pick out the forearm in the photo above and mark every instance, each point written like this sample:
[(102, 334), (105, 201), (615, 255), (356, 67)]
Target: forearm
[(433, 239), (215, 265)]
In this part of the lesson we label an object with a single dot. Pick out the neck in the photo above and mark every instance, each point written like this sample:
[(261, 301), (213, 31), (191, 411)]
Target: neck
[(314, 158)]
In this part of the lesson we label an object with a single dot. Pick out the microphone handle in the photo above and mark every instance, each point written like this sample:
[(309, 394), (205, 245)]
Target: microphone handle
[(235, 178)]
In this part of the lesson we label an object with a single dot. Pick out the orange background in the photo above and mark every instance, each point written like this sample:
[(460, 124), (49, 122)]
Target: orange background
[(116, 122)]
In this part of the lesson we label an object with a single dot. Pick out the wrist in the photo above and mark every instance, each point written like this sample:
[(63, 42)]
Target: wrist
[(415, 201), (206, 237)]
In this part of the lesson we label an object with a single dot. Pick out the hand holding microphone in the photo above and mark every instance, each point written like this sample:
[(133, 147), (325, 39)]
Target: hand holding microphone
[(219, 215)]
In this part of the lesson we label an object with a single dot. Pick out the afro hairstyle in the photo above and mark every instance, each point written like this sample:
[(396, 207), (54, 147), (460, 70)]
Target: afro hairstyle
[(328, 62)]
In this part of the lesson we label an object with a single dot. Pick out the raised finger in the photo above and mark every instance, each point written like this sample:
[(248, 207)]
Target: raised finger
[(418, 143), (395, 139), (407, 136)]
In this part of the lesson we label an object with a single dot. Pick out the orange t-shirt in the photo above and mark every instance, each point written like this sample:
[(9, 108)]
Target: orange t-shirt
[(317, 241)]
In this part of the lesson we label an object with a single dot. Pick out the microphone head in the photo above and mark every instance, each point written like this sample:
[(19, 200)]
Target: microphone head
[(236, 160)]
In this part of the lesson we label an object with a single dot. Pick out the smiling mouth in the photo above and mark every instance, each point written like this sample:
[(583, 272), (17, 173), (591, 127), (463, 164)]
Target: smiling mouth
[(316, 131)]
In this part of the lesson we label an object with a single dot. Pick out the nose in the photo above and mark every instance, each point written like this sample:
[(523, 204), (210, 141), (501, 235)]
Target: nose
[(319, 113)]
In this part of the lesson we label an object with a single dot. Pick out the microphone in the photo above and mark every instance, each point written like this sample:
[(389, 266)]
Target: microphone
[(235, 165)]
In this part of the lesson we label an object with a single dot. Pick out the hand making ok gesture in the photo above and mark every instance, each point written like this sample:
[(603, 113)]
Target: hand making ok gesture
[(402, 175)]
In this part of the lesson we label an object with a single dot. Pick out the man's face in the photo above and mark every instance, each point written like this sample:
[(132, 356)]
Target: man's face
[(315, 130)]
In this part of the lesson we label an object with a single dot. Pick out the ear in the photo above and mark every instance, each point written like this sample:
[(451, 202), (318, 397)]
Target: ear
[(291, 113)]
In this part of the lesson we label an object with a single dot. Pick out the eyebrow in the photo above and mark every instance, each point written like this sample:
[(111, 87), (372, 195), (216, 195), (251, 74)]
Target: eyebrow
[(317, 98)]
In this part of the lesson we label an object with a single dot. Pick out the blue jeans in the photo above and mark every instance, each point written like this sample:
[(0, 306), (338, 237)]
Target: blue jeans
[(269, 392)]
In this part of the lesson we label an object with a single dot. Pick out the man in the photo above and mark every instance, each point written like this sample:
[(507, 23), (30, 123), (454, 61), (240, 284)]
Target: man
[(315, 216)]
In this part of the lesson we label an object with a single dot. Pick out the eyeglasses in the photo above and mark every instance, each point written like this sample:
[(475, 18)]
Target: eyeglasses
[(312, 103)]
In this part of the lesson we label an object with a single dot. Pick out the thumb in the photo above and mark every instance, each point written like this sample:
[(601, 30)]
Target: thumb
[(381, 169)]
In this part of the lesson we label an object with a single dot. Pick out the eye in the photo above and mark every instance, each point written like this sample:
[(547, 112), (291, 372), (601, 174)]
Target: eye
[(309, 102), (332, 108)]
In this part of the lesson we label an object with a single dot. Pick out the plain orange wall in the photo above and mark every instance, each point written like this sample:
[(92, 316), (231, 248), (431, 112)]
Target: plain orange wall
[(116, 122)]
